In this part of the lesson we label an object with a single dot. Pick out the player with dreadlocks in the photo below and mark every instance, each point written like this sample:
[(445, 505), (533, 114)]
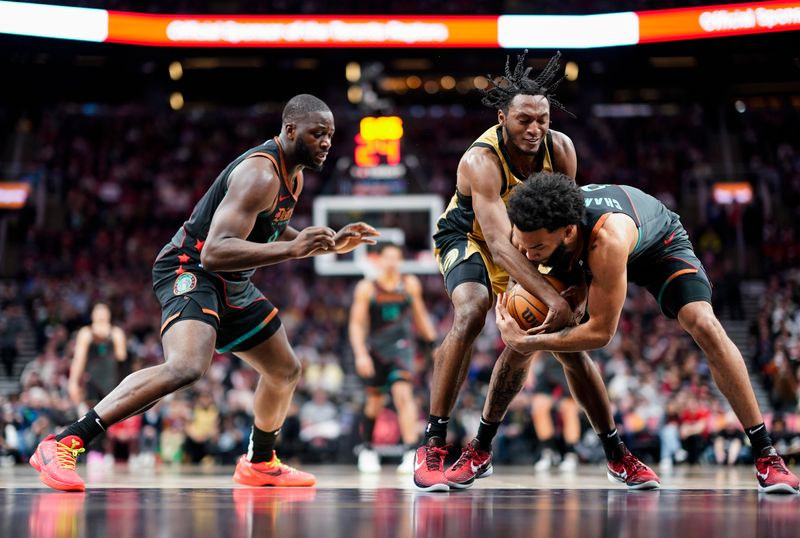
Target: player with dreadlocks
[(476, 256)]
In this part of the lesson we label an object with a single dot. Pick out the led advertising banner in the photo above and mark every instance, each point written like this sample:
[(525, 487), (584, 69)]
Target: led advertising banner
[(506, 31)]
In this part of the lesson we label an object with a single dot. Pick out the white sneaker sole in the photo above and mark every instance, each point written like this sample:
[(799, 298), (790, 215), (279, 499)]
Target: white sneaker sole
[(650, 484), (777, 488), (433, 487)]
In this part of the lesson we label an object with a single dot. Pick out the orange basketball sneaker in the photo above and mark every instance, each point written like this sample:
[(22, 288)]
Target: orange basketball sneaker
[(55, 461), (270, 473)]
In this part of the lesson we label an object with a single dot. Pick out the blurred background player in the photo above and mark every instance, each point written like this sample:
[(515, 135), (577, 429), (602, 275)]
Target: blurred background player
[(382, 341), (202, 278), (96, 368), (476, 256), (551, 397), (100, 348)]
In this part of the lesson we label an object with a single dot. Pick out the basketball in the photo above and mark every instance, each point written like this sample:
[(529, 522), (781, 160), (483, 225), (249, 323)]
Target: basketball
[(526, 308)]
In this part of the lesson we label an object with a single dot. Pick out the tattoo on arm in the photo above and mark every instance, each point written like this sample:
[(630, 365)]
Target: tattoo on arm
[(565, 331), (505, 386)]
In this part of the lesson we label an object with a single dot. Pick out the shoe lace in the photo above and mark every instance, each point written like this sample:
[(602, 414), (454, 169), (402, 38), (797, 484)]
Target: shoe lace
[(433, 456), (67, 456), (276, 462), (776, 462), (631, 461), (466, 456)]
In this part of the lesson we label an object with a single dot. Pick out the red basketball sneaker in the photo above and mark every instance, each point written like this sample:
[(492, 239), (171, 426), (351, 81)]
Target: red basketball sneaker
[(632, 472), (473, 463), (773, 476), (270, 473), (429, 467), (55, 461)]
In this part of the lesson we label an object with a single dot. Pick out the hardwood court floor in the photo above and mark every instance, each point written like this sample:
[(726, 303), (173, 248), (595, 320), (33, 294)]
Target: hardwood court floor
[(198, 502)]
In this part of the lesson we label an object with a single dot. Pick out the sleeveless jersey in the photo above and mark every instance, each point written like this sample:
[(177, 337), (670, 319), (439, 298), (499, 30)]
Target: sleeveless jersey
[(658, 226), (459, 215), (390, 322), (268, 226), (101, 365)]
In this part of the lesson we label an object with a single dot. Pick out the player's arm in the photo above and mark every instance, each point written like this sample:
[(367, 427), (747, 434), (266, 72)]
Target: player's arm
[(288, 234), (608, 261), (252, 188), (120, 344), (419, 313), (565, 160), (78, 366), (359, 327), (480, 169)]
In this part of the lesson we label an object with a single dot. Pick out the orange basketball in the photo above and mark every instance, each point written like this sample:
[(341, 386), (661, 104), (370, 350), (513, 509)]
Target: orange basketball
[(526, 308)]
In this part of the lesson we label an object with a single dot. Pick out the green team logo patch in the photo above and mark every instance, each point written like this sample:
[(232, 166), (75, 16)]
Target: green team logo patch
[(184, 283)]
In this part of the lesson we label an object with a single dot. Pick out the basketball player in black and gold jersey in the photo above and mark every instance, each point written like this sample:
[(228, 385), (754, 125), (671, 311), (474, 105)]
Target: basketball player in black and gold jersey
[(476, 256), (616, 234), (202, 278), (382, 340)]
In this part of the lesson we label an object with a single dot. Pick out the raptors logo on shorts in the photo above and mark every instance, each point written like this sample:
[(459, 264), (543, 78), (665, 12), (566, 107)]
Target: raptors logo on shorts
[(184, 284)]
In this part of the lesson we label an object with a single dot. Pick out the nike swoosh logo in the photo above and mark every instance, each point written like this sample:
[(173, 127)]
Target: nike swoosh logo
[(282, 198), (623, 475), (763, 476), (98, 423), (474, 468), (273, 473), (45, 460), (751, 432), (440, 421), (669, 239), (418, 465)]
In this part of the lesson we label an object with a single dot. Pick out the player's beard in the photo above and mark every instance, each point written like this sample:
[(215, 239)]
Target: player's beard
[(528, 152), (558, 256), (305, 157)]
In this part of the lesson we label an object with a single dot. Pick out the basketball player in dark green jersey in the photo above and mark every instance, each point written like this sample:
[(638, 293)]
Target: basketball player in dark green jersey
[(202, 279), (382, 340), (99, 349), (616, 234)]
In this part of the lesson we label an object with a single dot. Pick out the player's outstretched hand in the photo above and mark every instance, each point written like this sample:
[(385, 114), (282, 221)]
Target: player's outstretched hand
[(354, 234), (313, 240)]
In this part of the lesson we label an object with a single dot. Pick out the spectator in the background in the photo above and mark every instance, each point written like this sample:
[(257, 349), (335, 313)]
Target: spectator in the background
[(728, 441), (319, 423), (203, 429), (693, 426), (10, 328), (551, 394)]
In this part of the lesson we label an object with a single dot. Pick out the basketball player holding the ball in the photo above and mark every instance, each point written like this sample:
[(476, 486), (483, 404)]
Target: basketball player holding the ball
[(476, 256), (616, 234), (202, 279)]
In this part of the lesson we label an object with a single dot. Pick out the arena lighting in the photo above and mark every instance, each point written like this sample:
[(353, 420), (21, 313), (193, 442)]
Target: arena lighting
[(567, 31), (728, 193), (13, 195), (508, 31), (61, 22)]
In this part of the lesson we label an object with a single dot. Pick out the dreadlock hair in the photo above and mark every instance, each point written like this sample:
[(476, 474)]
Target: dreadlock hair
[(503, 89), (302, 105), (548, 200)]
